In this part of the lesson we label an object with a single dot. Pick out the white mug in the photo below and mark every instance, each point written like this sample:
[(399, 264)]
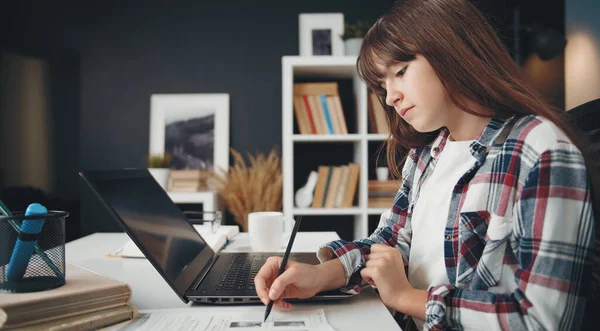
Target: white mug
[(266, 231)]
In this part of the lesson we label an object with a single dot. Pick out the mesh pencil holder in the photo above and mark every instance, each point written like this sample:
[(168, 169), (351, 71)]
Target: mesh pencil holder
[(30, 261)]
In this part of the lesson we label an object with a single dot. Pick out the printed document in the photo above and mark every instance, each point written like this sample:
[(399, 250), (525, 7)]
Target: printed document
[(196, 319)]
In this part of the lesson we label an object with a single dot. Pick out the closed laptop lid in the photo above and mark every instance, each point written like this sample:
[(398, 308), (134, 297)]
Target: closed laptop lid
[(154, 223)]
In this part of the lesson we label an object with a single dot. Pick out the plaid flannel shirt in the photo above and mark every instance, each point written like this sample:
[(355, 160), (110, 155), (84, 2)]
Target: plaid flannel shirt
[(519, 234)]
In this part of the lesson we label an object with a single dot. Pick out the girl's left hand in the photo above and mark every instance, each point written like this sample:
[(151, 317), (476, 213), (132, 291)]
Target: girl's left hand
[(385, 269)]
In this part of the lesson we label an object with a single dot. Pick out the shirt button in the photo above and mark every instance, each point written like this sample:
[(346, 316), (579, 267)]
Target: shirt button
[(436, 149), (475, 148), (448, 237)]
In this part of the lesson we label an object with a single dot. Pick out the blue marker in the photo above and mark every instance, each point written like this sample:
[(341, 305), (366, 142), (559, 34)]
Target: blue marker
[(26, 242)]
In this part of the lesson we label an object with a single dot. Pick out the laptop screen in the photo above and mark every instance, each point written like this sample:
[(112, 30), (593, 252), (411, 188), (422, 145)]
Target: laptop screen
[(154, 223)]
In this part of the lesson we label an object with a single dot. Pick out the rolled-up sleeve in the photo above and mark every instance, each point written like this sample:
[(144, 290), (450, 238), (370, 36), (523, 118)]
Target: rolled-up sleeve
[(393, 230)]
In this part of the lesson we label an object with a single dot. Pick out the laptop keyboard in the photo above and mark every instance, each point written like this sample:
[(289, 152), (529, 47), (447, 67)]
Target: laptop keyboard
[(240, 272)]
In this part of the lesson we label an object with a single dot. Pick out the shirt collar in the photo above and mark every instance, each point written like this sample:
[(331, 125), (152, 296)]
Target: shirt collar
[(482, 141)]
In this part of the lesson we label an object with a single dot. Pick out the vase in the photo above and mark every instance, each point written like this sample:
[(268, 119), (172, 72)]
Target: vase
[(382, 173), (352, 46), (161, 175), (304, 195)]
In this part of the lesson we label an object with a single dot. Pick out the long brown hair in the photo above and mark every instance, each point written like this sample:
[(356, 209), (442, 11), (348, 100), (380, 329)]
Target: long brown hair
[(468, 57)]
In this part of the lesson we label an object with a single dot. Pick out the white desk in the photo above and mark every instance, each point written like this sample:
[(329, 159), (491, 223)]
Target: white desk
[(150, 291)]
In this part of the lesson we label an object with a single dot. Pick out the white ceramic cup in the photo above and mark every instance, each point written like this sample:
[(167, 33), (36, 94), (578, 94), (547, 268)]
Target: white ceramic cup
[(266, 231)]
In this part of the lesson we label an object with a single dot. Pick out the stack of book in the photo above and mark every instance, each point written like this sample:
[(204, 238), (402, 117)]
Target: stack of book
[(377, 121), (382, 193), (318, 109), (87, 301), (336, 186), (187, 180)]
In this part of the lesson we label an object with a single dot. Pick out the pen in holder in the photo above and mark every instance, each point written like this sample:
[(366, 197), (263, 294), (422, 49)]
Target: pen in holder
[(32, 250)]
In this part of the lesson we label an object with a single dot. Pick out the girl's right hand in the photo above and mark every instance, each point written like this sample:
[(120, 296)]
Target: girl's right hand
[(299, 280)]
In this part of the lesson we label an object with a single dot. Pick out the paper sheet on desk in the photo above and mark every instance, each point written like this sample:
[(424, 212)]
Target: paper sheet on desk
[(194, 319), (216, 240)]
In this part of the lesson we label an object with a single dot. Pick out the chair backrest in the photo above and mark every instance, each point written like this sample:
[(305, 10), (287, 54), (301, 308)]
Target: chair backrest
[(587, 118)]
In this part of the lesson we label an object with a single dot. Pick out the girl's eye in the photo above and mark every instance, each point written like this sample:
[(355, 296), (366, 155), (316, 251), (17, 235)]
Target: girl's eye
[(401, 72)]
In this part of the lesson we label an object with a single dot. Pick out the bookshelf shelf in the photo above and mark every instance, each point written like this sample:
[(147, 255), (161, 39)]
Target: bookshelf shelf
[(377, 137), (326, 138), (322, 66), (355, 107), (327, 211)]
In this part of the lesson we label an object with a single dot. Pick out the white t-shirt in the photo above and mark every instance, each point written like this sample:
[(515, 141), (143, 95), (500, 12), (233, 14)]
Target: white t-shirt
[(426, 265)]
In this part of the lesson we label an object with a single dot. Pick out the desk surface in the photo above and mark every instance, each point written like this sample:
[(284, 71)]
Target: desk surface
[(364, 311)]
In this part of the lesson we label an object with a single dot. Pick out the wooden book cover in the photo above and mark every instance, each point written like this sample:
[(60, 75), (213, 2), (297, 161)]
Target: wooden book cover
[(334, 186), (327, 88), (301, 116), (85, 291), (327, 184), (342, 189), (188, 174), (379, 113), (336, 121), (384, 185), (340, 110), (318, 115), (320, 187), (328, 114), (351, 186), (311, 117)]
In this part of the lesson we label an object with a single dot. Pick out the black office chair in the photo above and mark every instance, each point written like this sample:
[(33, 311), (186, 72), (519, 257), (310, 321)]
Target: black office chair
[(587, 118)]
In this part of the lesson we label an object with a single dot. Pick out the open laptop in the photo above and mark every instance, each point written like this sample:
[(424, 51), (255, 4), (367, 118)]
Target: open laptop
[(161, 231)]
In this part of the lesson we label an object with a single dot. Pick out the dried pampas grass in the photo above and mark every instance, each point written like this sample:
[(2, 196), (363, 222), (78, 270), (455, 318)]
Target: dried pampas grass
[(246, 189)]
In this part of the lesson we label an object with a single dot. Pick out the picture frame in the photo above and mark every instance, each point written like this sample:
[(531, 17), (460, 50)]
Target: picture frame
[(320, 34), (193, 128)]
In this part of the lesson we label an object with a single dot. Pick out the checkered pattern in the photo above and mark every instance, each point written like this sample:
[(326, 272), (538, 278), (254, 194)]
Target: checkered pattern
[(519, 234)]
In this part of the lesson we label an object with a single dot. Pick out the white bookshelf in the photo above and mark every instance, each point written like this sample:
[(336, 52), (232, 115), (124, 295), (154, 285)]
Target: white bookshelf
[(327, 67)]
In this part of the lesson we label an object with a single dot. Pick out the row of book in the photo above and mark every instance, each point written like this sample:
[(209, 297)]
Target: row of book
[(382, 193), (336, 186), (189, 180), (318, 108)]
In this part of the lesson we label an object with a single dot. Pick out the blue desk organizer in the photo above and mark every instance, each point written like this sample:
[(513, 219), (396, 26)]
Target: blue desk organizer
[(45, 269)]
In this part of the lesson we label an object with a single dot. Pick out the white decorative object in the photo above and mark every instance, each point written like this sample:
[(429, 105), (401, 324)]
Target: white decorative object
[(193, 128), (161, 175), (382, 173), (304, 195), (352, 46), (321, 34)]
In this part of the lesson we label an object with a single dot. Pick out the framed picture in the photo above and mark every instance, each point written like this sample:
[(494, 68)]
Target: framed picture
[(193, 128), (321, 34)]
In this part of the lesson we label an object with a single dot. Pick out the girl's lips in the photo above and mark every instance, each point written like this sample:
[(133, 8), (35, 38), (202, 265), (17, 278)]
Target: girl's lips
[(405, 110)]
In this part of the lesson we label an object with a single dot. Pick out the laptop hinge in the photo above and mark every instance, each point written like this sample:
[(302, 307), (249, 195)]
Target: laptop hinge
[(204, 272)]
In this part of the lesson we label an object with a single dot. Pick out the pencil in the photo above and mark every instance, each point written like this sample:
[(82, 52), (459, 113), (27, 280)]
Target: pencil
[(286, 255)]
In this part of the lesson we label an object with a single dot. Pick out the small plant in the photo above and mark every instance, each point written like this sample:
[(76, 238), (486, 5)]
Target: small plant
[(356, 30), (160, 160)]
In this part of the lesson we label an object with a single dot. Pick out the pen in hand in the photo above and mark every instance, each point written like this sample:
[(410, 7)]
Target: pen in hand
[(286, 255)]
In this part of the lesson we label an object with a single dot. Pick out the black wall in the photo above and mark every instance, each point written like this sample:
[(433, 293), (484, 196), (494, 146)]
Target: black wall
[(128, 50)]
